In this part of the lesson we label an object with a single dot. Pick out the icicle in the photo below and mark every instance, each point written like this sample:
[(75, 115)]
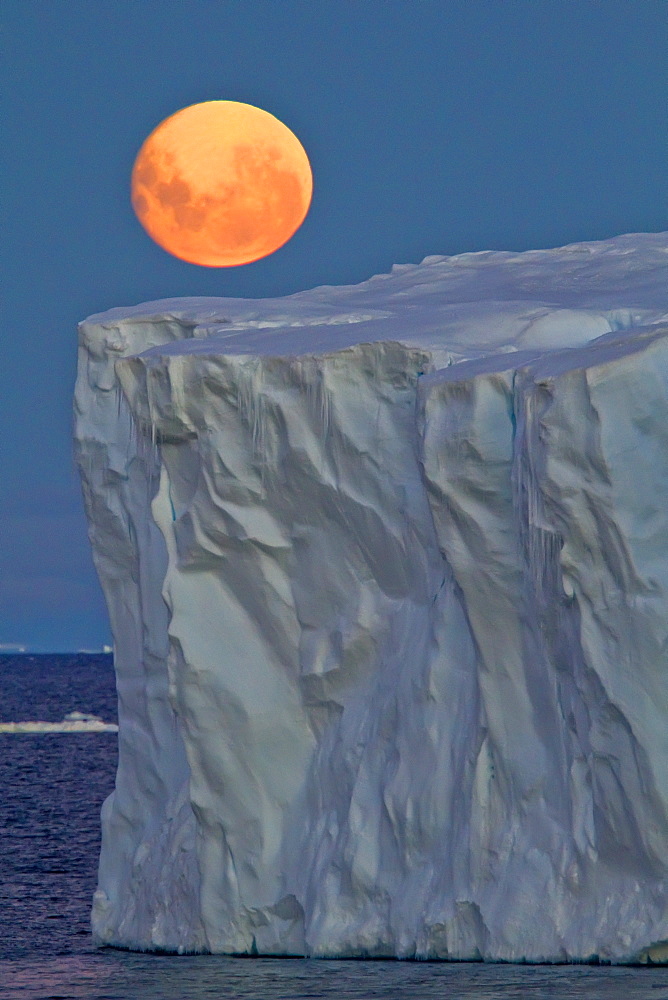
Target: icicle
[(252, 409), (131, 439), (541, 544), (311, 376), (325, 403)]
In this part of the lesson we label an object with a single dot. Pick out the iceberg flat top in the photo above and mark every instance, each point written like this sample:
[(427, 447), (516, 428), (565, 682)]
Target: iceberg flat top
[(458, 307)]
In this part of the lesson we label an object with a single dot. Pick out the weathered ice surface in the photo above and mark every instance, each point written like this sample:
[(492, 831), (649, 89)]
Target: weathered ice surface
[(387, 571)]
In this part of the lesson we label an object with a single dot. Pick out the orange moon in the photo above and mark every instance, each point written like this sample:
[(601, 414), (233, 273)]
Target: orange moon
[(221, 183)]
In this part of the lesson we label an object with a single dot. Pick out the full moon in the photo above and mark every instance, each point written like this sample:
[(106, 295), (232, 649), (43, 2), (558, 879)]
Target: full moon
[(221, 183)]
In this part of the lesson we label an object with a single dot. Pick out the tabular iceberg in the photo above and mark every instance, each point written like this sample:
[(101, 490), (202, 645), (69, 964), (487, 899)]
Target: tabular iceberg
[(387, 572)]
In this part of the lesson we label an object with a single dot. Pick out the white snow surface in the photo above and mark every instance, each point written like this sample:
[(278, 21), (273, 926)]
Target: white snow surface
[(387, 572)]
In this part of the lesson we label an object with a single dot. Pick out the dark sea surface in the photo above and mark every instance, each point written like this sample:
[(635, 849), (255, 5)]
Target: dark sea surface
[(51, 790)]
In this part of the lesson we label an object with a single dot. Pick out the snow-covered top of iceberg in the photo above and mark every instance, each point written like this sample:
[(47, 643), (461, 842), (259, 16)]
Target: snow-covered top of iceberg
[(460, 307)]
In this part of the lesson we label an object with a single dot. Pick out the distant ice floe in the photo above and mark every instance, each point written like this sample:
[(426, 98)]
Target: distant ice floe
[(74, 722)]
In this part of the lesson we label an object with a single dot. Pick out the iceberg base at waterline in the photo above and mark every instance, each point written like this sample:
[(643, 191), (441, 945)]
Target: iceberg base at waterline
[(387, 573)]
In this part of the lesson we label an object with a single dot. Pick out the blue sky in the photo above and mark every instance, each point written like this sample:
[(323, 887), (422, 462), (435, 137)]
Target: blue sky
[(433, 127)]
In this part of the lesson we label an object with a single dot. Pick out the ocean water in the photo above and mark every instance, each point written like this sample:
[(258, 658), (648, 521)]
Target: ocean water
[(51, 790)]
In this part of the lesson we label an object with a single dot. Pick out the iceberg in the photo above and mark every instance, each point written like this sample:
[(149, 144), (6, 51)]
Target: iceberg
[(74, 722), (387, 574)]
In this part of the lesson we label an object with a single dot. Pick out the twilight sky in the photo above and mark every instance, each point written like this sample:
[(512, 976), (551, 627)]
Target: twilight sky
[(433, 127)]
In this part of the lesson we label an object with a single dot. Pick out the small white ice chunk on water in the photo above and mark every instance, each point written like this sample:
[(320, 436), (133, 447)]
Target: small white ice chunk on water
[(74, 722), (387, 573)]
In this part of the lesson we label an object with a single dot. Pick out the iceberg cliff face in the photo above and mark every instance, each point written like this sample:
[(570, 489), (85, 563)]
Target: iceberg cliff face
[(387, 570)]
